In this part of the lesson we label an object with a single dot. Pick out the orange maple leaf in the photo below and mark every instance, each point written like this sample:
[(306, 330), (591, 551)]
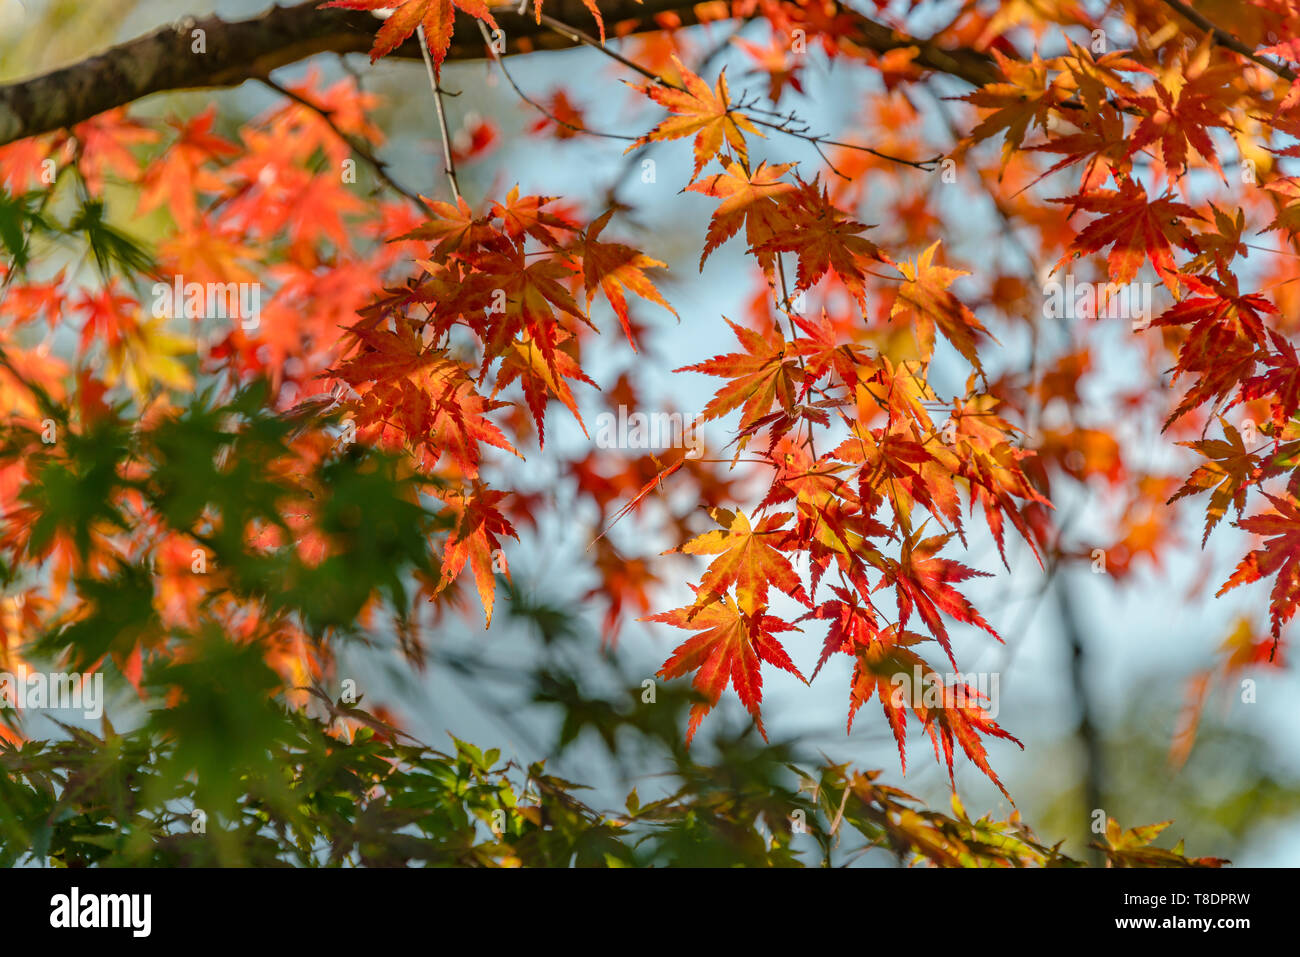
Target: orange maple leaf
[(613, 267), (747, 199), (700, 111), (730, 647), (925, 301), (824, 237), (1229, 472), (475, 539), (924, 582), (1135, 227), (764, 373), (437, 17), (1279, 555), (746, 559)]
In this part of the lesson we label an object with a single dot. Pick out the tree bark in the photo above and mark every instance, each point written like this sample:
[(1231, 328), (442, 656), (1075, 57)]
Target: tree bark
[(236, 51)]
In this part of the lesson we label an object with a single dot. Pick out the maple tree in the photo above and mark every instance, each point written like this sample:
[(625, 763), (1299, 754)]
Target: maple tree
[(193, 503)]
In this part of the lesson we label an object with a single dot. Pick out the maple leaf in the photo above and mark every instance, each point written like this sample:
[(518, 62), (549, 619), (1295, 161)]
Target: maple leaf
[(1019, 103), (700, 111), (654, 483), (876, 666), (730, 648), (1222, 346), (925, 301), (823, 352), (1103, 141), (1280, 555), (476, 538), (898, 467), (776, 62), (761, 375), (853, 625), (1280, 384), (901, 390), (886, 667), (182, 174), (437, 17), (924, 583), (111, 314), (1227, 309), (977, 445), (106, 142), (422, 396), (1132, 848), (561, 117), (613, 267), (824, 238), (1186, 105), (526, 363), (524, 216), (837, 529), (622, 579), (747, 199), (963, 718), (1138, 229), (532, 291), (451, 228), (147, 356), (746, 559), (1216, 248), (1229, 473), (1287, 218)]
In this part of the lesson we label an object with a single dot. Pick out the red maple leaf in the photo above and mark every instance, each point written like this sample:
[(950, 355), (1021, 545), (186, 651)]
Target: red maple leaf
[(1137, 229), (730, 647), (924, 583), (437, 17), (1279, 555)]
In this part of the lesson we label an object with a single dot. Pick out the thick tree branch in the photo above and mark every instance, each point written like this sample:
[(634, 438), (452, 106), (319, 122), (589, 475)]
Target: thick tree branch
[(1225, 39), (236, 51)]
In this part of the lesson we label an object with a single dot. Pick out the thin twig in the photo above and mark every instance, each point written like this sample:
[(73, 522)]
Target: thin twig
[(449, 164), (578, 36), (500, 61), (1226, 39), (354, 144)]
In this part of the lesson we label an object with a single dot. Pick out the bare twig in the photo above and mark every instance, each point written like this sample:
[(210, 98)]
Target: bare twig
[(357, 146), (242, 50), (785, 127), (449, 164), (533, 103)]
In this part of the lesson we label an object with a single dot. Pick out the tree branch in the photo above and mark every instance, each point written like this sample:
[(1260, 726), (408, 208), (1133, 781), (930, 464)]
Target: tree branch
[(1225, 39), (240, 50), (353, 143), (448, 161), (236, 51)]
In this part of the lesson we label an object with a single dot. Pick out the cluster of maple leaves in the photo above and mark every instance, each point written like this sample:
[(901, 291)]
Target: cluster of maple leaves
[(865, 469), (414, 394), (1232, 354), (264, 209)]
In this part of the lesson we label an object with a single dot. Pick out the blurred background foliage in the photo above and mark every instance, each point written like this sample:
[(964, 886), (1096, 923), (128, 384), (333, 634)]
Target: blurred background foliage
[(317, 780)]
